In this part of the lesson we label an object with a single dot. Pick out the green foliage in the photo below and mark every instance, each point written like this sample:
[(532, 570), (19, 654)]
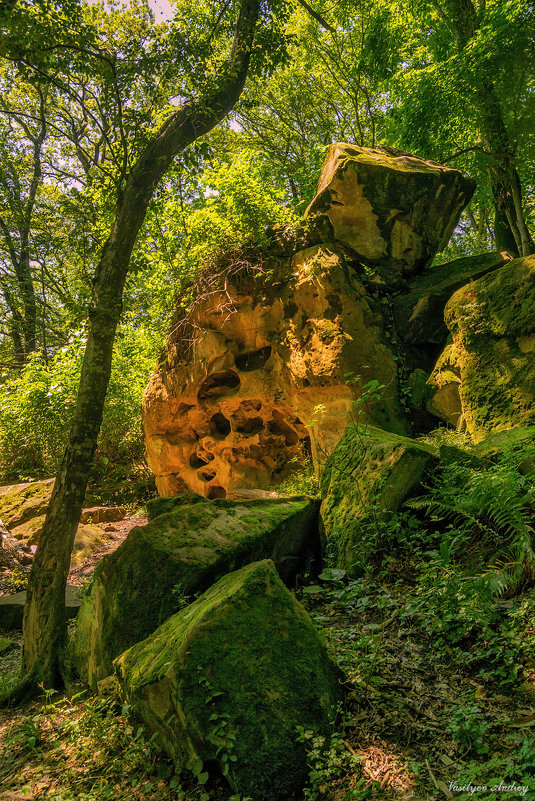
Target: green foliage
[(17, 580), (469, 728), (302, 480), (493, 501), (330, 764), (37, 404)]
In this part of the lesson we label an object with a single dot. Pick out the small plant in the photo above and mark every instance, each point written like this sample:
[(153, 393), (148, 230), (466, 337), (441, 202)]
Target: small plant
[(182, 599), (468, 727), (17, 580), (331, 764)]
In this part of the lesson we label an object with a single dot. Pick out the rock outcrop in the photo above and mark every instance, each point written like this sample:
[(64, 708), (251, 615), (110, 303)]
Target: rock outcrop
[(390, 208), (265, 377), (369, 475), (23, 509), (276, 349), (228, 680), (164, 564), (490, 364)]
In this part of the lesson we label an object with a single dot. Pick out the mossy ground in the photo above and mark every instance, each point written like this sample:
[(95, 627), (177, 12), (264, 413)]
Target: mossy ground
[(401, 736)]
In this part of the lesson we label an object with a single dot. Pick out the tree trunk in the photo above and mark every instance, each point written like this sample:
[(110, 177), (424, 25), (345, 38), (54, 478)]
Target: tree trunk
[(44, 614), (505, 181), (463, 19)]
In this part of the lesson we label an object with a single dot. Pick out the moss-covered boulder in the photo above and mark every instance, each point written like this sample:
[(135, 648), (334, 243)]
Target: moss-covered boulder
[(230, 678), (518, 444), (419, 313), (369, 475), (392, 209), (442, 393), (492, 321), (21, 503), (164, 564)]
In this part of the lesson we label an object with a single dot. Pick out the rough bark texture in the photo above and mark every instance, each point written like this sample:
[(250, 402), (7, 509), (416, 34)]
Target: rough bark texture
[(44, 617)]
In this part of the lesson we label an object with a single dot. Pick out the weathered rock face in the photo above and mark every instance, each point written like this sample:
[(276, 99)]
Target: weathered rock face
[(266, 377), (392, 209), (442, 390), (492, 358), (267, 365), (246, 653), (370, 473), (179, 554)]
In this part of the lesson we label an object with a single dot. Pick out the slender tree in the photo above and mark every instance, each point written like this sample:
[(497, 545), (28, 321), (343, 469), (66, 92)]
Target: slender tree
[(44, 615)]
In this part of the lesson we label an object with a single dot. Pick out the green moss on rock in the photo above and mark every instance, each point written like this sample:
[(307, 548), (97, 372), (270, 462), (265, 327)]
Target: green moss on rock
[(20, 503), (391, 208), (178, 555), (245, 654), (493, 326), (369, 474), (517, 444), (419, 314)]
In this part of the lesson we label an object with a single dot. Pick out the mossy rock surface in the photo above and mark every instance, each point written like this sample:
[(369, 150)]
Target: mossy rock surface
[(370, 473), (392, 209), (247, 655), (518, 443), (492, 321), (176, 556), (161, 506), (20, 503), (442, 392)]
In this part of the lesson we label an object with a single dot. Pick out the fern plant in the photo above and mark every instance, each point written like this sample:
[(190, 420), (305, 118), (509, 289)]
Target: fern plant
[(495, 502)]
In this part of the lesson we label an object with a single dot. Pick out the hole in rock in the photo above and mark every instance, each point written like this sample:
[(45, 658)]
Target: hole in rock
[(251, 426), (207, 475), (217, 385), (219, 426), (216, 492), (280, 428), (254, 360), (196, 461)]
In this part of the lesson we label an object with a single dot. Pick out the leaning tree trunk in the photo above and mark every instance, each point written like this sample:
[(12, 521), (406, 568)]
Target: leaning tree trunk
[(44, 614)]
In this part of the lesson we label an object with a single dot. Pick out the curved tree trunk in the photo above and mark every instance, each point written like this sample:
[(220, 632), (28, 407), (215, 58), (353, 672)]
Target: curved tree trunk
[(44, 614)]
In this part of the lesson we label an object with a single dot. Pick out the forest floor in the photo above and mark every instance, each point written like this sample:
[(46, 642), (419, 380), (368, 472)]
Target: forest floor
[(422, 719)]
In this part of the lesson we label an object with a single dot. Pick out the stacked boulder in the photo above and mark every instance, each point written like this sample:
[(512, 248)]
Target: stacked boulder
[(269, 364)]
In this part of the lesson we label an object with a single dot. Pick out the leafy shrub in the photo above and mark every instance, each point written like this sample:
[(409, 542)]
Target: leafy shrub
[(37, 404)]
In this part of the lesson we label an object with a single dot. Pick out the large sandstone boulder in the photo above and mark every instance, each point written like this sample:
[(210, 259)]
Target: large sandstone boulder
[(179, 554), (228, 680), (260, 374), (20, 503), (492, 322), (274, 352), (369, 475), (392, 209)]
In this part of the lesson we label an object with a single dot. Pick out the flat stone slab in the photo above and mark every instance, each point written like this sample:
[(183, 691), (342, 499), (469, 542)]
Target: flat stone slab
[(12, 607)]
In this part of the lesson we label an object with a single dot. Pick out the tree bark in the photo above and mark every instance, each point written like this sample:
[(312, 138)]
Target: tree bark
[(44, 614)]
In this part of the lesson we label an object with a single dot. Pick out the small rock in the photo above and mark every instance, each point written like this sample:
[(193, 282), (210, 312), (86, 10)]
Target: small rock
[(108, 687)]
